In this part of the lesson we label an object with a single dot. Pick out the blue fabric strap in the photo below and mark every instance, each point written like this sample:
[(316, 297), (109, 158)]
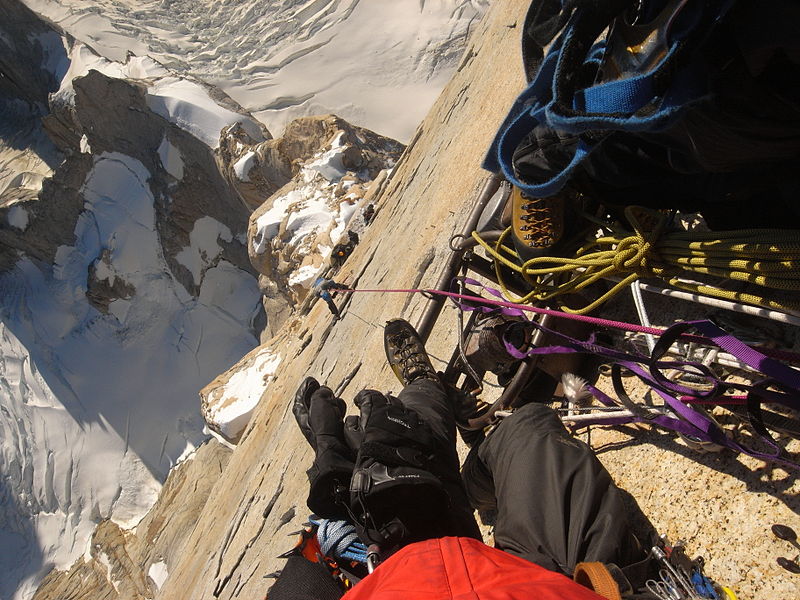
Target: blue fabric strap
[(605, 107)]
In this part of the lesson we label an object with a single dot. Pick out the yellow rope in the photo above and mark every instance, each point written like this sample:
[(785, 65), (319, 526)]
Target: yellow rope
[(769, 258)]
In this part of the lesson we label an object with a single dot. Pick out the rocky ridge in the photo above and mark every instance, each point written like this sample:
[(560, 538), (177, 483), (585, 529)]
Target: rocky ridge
[(324, 169)]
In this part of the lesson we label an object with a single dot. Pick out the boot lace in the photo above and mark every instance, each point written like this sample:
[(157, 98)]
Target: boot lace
[(539, 228), (411, 358)]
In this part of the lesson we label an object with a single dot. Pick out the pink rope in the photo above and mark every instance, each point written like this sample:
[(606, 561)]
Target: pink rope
[(722, 401), (621, 325)]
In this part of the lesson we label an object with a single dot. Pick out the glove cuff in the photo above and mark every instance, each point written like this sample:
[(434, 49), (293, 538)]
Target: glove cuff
[(328, 478), (327, 495)]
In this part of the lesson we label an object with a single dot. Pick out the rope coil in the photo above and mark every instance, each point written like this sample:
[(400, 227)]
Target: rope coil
[(338, 539), (766, 258)]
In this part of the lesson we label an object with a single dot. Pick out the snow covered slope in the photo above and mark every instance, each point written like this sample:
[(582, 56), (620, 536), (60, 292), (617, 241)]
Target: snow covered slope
[(379, 64), (98, 407), (108, 333)]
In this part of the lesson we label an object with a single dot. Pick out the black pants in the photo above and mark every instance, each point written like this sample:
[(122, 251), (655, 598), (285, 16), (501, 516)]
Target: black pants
[(430, 402), (556, 503), (331, 305)]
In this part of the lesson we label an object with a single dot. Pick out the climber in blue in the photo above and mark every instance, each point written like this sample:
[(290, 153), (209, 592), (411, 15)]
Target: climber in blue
[(322, 288)]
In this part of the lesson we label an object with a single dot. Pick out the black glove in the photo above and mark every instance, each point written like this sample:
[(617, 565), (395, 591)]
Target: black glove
[(395, 494), (319, 415)]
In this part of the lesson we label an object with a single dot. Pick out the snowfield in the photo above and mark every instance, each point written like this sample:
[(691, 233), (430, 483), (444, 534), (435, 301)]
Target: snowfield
[(98, 407), (379, 64)]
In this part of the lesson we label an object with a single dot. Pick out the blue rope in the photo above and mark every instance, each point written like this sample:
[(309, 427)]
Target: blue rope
[(338, 539)]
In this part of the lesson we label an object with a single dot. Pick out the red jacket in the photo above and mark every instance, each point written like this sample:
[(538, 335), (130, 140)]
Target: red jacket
[(463, 569)]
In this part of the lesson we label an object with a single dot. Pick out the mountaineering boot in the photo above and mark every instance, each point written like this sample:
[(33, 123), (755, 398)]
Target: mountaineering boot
[(537, 224), (406, 352)]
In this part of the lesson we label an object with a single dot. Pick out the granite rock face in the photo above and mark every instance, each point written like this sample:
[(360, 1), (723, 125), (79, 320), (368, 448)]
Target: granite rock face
[(422, 204), (264, 167), (293, 234)]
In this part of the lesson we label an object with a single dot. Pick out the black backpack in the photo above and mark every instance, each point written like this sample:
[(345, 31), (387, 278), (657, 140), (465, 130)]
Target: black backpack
[(685, 104)]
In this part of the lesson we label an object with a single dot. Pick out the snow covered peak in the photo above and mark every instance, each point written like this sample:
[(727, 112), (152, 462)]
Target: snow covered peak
[(181, 100), (124, 289), (101, 358)]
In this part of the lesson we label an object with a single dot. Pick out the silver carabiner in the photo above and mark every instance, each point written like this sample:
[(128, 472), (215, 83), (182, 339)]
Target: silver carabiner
[(373, 557)]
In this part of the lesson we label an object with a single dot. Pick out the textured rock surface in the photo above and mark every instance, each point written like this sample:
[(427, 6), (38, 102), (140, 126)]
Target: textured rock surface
[(276, 161), (292, 233), (722, 504)]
